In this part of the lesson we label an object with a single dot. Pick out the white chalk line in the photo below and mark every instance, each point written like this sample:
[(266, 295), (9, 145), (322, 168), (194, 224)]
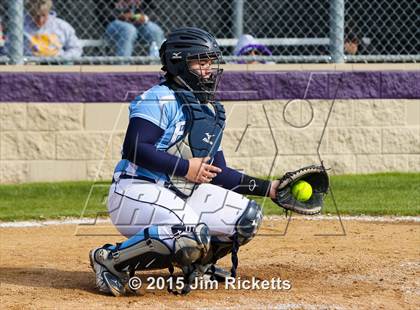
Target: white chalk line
[(359, 218), (66, 221), (92, 221)]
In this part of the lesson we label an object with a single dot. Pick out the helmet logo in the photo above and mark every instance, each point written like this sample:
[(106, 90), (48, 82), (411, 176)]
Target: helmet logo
[(176, 55)]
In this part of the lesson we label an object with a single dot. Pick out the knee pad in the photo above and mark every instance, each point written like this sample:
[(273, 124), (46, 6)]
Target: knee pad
[(249, 222), (191, 243), (246, 228)]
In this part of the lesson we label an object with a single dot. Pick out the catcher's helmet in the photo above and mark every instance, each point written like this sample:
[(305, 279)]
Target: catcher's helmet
[(184, 45)]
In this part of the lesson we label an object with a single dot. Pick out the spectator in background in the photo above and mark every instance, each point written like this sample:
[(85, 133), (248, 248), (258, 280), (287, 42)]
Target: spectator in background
[(130, 24), (248, 46), (47, 35), (351, 44)]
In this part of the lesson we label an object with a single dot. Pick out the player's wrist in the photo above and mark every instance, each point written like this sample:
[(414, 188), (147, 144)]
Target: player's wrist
[(273, 186), (182, 167), (254, 186)]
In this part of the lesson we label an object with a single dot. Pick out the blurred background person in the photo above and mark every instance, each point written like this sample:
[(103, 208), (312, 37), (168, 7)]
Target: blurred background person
[(351, 44), (131, 24), (248, 46), (46, 35)]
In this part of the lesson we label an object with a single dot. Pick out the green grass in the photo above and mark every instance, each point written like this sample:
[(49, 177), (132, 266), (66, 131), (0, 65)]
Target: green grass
[(375, 194), (372, 194), (52, 200)]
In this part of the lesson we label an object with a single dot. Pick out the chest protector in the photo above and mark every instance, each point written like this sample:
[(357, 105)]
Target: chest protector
[(202, 134)]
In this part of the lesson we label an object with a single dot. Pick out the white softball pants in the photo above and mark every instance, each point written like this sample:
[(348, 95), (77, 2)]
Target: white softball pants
[(136, 204)]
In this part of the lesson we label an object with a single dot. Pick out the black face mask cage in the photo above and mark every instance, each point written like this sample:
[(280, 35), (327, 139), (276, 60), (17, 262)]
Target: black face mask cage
[(205, 85)]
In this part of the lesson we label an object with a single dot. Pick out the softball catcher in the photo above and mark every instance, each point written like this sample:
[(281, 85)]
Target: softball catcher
[(173, 195)]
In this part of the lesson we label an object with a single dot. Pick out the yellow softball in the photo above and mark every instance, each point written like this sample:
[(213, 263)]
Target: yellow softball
[(302, 191)]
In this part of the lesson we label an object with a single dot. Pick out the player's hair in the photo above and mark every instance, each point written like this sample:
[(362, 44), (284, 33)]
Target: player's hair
[(36, 6), (352, 37)]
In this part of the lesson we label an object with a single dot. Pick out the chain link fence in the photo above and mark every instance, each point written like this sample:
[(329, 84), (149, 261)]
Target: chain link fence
[(130, 31)]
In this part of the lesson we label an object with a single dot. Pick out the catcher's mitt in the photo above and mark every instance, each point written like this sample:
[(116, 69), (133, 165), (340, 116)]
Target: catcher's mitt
[(316, 176)]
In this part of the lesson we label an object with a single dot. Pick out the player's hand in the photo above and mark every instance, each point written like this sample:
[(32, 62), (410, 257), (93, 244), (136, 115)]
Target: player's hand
[(199, 171), (273, 187), (139, 19)]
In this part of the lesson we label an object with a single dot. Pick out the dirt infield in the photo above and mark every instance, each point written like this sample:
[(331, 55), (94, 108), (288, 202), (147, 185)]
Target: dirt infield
[(375, 265)]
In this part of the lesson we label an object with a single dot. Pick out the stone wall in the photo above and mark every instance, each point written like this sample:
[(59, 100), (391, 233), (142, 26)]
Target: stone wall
[(80, 141), (68, 122)]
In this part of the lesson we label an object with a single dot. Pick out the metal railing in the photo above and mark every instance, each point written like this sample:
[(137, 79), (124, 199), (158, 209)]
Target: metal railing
[(334, 31)]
